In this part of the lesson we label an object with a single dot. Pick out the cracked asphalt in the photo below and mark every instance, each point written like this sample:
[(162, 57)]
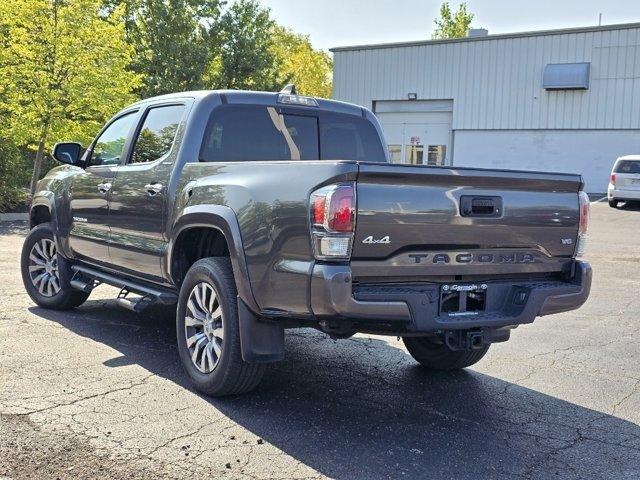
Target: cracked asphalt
[(98, 392)]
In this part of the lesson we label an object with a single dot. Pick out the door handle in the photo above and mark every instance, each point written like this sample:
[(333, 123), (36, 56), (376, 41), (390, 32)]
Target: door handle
[(481, 206), (104, 187), (153, 189)]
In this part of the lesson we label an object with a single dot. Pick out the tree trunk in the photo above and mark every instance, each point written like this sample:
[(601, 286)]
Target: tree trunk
[(37, 165)]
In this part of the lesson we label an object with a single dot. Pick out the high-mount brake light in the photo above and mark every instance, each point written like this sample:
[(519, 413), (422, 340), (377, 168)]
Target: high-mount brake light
[(333, 217), (585, 216), (290, 99)]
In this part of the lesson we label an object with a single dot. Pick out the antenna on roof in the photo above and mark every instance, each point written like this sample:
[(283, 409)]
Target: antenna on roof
[(289, 89)]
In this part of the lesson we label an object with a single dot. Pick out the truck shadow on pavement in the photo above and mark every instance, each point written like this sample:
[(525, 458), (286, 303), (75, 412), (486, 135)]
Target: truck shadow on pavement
[(361, 408)]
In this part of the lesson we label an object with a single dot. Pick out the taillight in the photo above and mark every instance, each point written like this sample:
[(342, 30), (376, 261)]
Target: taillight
[(613, 179), (585, 216), (333, 218)]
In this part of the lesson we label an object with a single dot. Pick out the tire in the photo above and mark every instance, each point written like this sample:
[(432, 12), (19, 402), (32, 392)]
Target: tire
[(437, 356), (47, 283), (215, 334), (613, 203)]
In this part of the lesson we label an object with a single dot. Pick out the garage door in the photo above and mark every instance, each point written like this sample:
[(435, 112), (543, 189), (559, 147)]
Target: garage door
[(417, 132)]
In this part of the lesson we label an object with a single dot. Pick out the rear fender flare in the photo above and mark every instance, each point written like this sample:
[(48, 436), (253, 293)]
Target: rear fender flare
[(224, 219)]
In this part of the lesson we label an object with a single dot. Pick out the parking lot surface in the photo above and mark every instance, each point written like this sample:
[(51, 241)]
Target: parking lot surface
[(98, 392)]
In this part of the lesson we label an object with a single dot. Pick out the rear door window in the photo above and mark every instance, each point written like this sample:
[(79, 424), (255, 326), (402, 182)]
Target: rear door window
[(157, 133), (628, 166)]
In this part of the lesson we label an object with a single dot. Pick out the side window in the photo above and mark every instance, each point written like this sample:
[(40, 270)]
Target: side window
[(157, 133), (107, 149), (237, 133)]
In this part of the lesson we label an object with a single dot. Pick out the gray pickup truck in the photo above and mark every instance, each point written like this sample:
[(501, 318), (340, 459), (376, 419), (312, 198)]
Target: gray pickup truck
[(257, 212)]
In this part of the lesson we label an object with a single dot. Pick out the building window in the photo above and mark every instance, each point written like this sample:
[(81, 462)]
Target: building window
[(415, 154), (395, 153), (436, 155)]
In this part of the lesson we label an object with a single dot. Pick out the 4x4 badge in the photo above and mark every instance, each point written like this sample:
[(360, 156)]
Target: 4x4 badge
[(371, 240)]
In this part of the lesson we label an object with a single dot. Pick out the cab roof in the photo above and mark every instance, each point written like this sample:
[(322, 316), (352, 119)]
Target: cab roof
[(253, 97)]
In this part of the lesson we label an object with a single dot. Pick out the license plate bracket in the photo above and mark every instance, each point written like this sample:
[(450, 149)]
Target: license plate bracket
[(463, 299)]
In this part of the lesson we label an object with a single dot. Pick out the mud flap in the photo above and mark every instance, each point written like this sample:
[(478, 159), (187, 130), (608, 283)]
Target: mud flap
[(260, 342)]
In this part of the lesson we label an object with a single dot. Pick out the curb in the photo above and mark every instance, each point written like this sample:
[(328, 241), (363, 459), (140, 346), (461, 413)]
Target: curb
[(14, 217)]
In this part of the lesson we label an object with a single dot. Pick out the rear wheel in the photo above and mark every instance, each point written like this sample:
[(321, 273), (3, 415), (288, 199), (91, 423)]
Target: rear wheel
[(46, 274), (208, 331), (437, 356), (613, 203)]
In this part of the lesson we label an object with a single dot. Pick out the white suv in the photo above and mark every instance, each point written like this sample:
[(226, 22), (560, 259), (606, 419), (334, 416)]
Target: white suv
[(624, 184)]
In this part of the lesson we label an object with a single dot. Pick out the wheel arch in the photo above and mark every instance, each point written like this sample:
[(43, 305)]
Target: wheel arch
[(43, 210), (222, 220)]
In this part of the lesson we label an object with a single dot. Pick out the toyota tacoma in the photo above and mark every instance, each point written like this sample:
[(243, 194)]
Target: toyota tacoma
[(251, 213)]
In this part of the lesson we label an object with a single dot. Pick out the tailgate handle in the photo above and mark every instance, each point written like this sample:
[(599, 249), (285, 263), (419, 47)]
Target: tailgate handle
[(471, 206)]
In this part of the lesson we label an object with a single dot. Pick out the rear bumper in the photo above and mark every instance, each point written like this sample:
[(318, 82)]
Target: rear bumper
[(622, 195), (415, 307)]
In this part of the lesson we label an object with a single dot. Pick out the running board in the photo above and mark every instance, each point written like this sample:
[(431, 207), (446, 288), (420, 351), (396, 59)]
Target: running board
[(154, 294)]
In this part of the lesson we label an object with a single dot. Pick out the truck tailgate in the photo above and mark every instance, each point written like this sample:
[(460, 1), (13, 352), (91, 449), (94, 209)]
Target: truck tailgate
[(425, 221)]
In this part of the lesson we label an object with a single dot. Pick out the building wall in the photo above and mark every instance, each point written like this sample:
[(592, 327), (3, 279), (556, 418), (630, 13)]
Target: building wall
[(590, 152), (502, 116), (497, 83)]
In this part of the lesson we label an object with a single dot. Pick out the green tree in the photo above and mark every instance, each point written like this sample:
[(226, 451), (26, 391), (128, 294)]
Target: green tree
[(13, 175), (453, 24), (299, 63), (174, 40), (63, 71), (246, 59)]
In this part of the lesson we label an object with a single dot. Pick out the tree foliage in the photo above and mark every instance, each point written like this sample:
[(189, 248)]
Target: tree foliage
[(453, 24), (173, 41), (66, 66), (246, 60), (63, 71), (13, 175), (300, 63)]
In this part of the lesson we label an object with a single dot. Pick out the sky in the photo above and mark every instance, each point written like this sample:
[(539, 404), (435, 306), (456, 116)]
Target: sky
[(334, 23)]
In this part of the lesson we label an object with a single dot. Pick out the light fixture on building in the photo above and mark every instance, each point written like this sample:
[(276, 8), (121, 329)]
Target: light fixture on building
[(412, 96)]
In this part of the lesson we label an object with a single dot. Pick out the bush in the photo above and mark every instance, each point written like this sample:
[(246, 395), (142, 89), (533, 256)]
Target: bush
[(15, 175)]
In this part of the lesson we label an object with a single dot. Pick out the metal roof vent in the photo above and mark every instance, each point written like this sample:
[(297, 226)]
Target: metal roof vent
[(477, 32)]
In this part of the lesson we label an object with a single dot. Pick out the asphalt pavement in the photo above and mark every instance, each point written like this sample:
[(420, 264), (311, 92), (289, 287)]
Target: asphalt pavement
[(98, 393)]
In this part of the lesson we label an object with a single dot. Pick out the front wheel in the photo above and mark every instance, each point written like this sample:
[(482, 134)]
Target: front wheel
[(46, 274), (437, 356), (208, 331), (613, 203)]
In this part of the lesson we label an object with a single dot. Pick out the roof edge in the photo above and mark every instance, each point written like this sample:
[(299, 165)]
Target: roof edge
[(535, 33)]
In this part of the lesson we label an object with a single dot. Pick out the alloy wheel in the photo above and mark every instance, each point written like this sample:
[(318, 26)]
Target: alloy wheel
[(43, 267), (203, 327)]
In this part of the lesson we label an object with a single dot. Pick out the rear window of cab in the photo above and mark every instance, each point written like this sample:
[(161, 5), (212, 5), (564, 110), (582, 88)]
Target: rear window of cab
[(628, 166), (237, 133)]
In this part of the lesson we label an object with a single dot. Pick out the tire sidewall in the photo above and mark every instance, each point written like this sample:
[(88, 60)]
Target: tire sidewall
[(206, 271)]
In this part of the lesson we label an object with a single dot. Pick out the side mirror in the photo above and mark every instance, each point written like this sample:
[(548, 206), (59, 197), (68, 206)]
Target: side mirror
[(67, 152)]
